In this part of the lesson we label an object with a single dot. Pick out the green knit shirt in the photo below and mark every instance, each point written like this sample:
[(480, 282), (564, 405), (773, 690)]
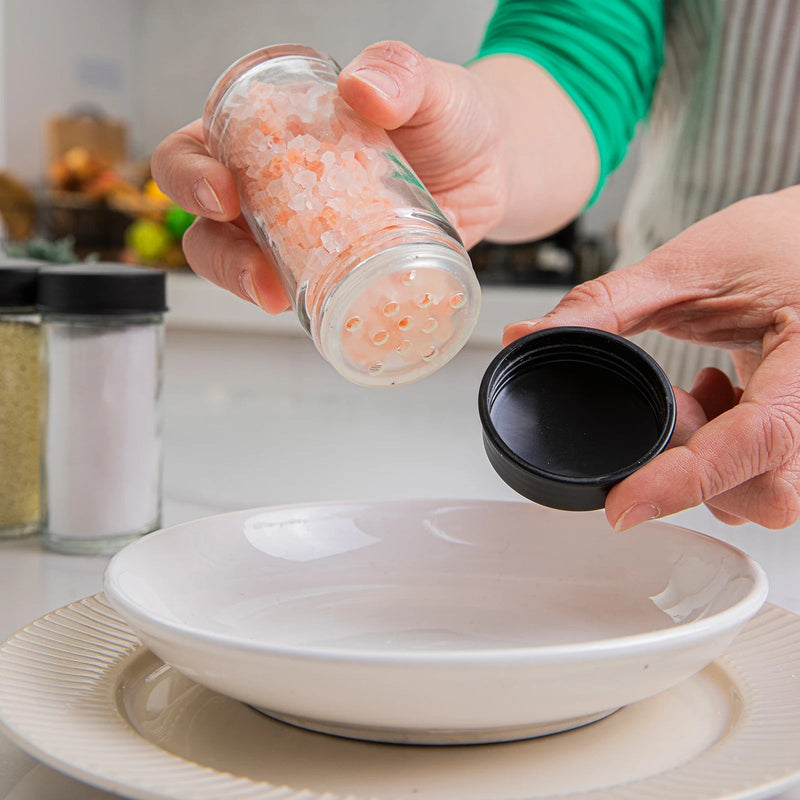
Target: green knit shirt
[(605, 54)]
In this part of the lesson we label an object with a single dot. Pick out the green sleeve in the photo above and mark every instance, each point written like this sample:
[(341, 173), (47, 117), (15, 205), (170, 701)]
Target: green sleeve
[(605, 54)]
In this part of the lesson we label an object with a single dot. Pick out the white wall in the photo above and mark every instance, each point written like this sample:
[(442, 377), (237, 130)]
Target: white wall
[(56, 55), (3, 115), (152, 62), (186, 44)]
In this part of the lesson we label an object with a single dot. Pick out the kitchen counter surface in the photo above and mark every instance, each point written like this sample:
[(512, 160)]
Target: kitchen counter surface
[(256, 419)]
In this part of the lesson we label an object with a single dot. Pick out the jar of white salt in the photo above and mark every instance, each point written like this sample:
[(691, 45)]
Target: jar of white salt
[(102, 327), (19, 399), (377, 275)]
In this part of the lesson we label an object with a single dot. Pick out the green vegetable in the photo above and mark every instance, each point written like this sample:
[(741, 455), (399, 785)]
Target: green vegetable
[(177, 221), (148, 240)]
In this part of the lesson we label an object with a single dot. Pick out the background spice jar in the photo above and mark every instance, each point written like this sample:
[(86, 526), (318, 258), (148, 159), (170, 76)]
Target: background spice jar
[(102, 330), (19, 398)]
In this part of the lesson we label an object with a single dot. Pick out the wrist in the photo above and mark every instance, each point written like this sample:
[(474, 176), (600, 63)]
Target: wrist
[(548, 153)]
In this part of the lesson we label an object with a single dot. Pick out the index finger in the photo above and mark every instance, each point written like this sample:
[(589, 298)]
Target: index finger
[(188, 175)]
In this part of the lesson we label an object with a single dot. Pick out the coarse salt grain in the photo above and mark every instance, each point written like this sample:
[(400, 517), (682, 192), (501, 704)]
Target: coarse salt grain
[(333, 241)]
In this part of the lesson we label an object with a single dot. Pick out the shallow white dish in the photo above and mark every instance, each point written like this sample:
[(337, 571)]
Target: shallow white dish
[(79, 692), (433, 621)]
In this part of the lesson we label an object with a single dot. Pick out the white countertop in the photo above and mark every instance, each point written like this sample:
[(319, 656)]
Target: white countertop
[(196, 304), (254, 416)]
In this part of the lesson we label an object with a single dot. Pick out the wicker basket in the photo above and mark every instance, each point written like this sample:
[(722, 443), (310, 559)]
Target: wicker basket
[(92, 223)]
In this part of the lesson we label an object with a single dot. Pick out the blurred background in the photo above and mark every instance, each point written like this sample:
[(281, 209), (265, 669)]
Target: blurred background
[(88, 88)]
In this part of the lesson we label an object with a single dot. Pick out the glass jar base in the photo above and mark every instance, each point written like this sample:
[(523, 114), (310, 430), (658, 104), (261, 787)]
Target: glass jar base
[(19, 531), (401, 314), (94, 546)]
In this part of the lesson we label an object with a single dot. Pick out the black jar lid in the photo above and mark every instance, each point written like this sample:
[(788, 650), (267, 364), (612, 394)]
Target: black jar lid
[(101, 288), (18, 282), (569, 412)]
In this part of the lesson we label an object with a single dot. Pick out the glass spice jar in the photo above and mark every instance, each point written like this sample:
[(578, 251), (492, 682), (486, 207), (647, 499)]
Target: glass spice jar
[(375, 272), (19, 398), (102, 330)]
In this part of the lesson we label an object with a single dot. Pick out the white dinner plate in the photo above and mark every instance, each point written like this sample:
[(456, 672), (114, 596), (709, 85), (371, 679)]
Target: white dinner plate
[(433, 621), (79, 692)]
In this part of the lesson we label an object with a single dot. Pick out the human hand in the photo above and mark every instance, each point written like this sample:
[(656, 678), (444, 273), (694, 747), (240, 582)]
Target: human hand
[(443, 119), (732, 281), (218, 245), (489, 160)]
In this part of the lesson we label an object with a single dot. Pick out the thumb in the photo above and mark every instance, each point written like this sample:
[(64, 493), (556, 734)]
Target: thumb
[(385, 83), (622, 301), (392, 84)]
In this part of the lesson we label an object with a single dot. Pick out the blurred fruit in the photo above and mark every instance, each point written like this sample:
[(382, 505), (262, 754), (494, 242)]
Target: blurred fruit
[(152, 191), (177, 221), (77, 167), (149, 240), (80, 163), (106, 183), (59, 175)]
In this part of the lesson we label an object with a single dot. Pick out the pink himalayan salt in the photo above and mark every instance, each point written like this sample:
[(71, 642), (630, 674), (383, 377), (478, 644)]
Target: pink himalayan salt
[(288, 181), (315, 177)]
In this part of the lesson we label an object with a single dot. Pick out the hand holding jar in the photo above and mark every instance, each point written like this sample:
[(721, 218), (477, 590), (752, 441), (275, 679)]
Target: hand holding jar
[(447, 125), (378, 276)]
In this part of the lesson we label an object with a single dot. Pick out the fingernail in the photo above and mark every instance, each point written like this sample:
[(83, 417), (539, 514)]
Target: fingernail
[(525, 326), (516, 330), (635, 515), (248, 287), (206, 197), (382, 82)]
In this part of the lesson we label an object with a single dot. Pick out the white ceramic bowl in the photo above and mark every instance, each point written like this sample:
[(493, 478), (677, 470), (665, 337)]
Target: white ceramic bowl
[(433, 621)]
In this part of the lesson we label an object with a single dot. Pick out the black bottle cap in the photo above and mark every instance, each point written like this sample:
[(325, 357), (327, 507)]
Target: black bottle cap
[(101, 288), (18, 282), (569, 412)]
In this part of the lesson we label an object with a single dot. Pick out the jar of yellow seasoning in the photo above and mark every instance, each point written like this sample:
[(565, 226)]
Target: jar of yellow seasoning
[(19, 398)]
